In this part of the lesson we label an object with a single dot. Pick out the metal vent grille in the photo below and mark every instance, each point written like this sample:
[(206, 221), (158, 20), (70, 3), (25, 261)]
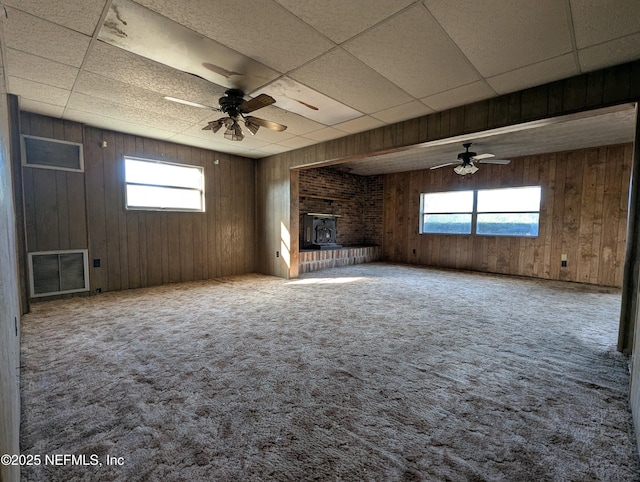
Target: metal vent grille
[(52, 154), (58, 272)]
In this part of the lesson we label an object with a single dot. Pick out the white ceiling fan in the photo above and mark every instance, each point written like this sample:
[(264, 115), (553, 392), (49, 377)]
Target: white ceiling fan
[(467, 161)]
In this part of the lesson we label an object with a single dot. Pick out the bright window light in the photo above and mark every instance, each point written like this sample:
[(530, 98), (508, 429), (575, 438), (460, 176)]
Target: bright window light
[(509, 212), (494, 212), (162, 186), (447, 212)]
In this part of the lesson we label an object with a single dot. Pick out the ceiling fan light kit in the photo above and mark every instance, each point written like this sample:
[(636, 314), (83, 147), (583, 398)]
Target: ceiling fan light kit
[(464, 170)]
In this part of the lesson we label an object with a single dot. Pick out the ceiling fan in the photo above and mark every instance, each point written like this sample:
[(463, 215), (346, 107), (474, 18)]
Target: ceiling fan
[(235, 107), (467, 160)]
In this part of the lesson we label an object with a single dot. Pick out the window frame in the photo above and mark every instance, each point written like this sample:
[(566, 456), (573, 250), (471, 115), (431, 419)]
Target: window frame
[(478, 212), (423, 214), (474, 213), (201, 190)]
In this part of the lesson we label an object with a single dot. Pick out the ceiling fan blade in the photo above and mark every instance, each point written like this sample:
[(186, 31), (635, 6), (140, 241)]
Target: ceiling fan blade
[(188, 102), (256, 103), (274, 126), (482, 156), (444, 165), (494, 161)]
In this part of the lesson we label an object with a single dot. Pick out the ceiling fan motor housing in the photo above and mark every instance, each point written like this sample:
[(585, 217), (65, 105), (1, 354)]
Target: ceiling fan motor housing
[(231, 101)]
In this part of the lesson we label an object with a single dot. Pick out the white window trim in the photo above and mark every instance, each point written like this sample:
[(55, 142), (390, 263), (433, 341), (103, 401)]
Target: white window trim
[(160, 209)]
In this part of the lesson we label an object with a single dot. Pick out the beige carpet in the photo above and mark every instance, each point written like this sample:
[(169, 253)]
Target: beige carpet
[(371, 372)]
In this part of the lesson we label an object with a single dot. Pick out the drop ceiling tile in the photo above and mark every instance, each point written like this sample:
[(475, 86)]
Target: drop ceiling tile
[(509, 35), (208, 144), (38, 92), (271, 150), (297, 143), (129, 68), (340, 20), (403, 112), (459, 96), (61, 44), (346, 79), (325, 134), (85, 103), (38, 69), (126, 94), (117, 125), (360, 124), (79, 15), (260, 29), (408, 49), (596, 22), (532, 75), (610, 53), (43, 108)]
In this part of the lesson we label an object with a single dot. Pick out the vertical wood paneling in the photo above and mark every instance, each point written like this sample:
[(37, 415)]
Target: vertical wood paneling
[(123, 244), (139, 248), (112, 209), (582, 215), (94, 175)]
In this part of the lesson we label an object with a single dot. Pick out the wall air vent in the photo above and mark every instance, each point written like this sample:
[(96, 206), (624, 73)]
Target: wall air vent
[(52, 154), (58, 272)]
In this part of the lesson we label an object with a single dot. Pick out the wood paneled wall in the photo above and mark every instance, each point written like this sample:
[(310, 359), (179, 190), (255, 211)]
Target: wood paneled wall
[(592, 90), (139, 248), (583, 214), (54, 200)]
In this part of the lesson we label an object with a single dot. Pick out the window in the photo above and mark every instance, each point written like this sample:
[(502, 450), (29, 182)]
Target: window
[(447, 212), (509, 212), (495, 212), (163, 186)]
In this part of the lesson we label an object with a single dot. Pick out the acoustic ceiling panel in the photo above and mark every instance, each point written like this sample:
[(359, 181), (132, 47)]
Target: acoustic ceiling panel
[(340, 20), (408, 49), (79, 15), (481, 33), (26, 32)]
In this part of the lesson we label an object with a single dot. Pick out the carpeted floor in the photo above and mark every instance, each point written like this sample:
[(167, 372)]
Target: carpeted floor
[(371, 372)]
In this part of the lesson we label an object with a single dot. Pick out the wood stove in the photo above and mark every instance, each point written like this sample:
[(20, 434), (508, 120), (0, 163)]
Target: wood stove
[(319, 231)]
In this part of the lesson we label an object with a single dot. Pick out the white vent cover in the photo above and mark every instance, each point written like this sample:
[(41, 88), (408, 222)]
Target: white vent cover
[(52, 154), (58, 272)]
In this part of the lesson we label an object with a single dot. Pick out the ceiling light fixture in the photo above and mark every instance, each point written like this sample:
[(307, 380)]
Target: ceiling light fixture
[(234, 131), (465, 169)]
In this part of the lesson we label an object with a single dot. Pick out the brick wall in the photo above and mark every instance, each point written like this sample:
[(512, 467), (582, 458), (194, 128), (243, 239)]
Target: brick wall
[(356, 199)]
